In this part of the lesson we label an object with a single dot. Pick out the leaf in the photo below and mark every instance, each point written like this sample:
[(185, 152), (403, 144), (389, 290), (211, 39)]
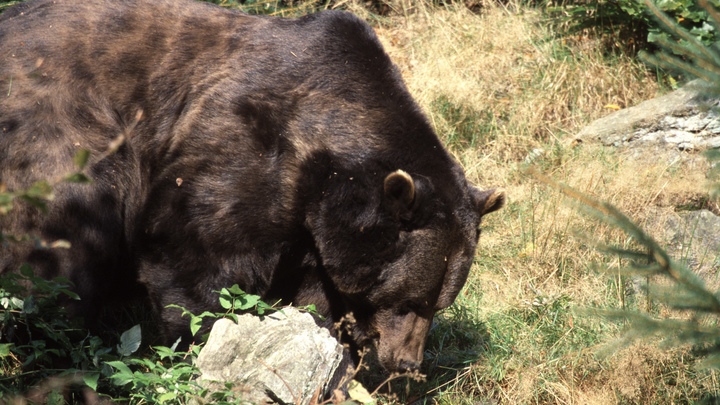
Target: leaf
[(70, 294), (26, 270), (62, 280), (235, 290), (359, 393), (175, 345), (208, 314), (91, 380), (124, 375), (78, 178), (81, 158), (195, 324), (17, 303), (35, 202), (29, 305), (40, 189), (166, 396), (226, 301), (5, 349), (262, 306), (130, 341), (164, 352), (54, 398), (246, 302)]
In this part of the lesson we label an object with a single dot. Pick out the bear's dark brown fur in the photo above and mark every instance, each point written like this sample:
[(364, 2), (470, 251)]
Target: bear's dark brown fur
[(283, 155)]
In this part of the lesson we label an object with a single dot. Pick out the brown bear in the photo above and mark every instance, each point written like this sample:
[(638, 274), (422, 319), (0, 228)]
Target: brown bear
[(282, 155)]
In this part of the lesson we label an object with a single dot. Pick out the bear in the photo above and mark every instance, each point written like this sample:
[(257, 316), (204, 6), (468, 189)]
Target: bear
[(283, 155)]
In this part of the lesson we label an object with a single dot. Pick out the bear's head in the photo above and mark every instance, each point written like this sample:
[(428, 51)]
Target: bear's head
[(399, 254)]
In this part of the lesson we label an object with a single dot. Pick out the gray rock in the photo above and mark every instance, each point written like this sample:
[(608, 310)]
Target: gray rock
[(693, 238), (683, 120), (283, 358), (713, 143), (611, 129)]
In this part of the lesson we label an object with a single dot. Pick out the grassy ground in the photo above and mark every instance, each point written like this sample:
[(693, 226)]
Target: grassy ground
[(500, 85)]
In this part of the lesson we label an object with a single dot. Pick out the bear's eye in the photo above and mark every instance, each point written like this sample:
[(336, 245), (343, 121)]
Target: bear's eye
[(404, 310), (419, 307)]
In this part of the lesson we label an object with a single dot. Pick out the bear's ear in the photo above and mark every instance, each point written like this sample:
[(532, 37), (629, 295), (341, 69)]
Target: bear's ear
[(487, 201), (399, 190)]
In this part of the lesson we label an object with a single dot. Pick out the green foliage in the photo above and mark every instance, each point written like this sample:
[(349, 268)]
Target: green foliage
[(39, 341), (36, 335), (630, 22), (168, 376), (232, 299), (36, 195), (164, 377), (41, 191), (685, 53)]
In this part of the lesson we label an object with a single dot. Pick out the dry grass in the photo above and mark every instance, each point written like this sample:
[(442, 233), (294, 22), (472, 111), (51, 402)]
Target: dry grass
[(499, 85), (506, 64)]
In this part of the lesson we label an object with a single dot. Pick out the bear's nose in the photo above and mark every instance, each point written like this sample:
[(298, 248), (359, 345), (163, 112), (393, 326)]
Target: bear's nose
[(407, 365)]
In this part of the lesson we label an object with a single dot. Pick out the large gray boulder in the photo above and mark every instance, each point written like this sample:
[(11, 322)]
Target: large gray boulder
[(282, 358), (647, 118)]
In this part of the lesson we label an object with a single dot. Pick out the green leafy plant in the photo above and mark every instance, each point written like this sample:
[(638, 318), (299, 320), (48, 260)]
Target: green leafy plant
[(36, 335), (232, 299), (686, 54), (37, 338), (630, 23), (38, 195), (166, 376)]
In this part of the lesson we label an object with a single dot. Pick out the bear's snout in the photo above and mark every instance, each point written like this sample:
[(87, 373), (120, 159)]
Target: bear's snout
[(408, 365), (401, 343)]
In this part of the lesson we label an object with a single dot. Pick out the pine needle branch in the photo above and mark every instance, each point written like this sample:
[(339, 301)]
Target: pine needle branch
[(688, 292)]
